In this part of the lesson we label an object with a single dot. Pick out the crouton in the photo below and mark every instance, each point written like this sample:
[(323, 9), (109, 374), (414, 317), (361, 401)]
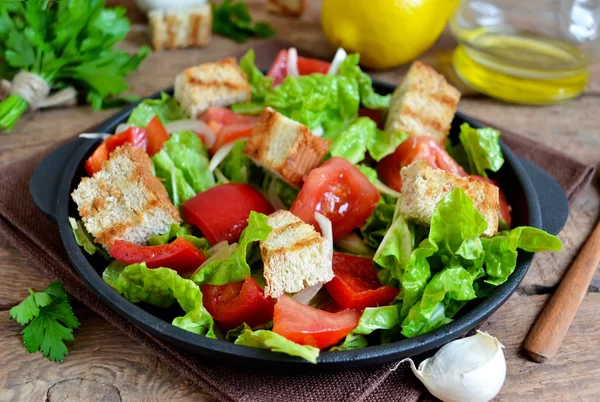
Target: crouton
[(124, 200), (293, 8), (285, 147), (171, 29), (211, 84), (423, 104), (294, 255), (423, 187)]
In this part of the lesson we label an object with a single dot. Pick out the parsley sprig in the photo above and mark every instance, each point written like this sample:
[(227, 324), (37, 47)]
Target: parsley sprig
[(232, 19), (66, 43), (48, 319)]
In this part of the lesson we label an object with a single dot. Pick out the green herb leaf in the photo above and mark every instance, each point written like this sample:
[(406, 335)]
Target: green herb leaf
[(233, 20)]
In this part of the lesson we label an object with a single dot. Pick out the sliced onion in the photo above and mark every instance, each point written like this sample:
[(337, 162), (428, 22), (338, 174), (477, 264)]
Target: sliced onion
[(382, 188), (123, 127), (318, 131), (339, 57), (223, 251), (325, 225), (197, 126), (95, 136), (220, 176), (215, 249), (305, 295), (354, 244), (273, 198), (292, 63), (222, 153)]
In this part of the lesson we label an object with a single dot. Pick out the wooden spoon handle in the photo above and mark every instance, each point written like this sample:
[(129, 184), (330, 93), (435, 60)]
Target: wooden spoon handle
[(549, 330)]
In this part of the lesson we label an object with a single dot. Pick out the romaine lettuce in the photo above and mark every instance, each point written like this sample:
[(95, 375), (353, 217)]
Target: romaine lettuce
[(176, 231), (85, 239), (166, 108), (482, 149)]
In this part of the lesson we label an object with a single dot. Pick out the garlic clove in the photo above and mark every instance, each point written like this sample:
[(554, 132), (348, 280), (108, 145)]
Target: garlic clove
[(471, 369)]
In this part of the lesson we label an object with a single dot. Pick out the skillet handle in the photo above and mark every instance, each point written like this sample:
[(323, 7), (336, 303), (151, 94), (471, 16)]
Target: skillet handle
[(46, 178), (551, 196)]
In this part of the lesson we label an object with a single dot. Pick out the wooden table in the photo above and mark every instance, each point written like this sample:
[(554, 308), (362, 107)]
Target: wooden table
[(104, 364)]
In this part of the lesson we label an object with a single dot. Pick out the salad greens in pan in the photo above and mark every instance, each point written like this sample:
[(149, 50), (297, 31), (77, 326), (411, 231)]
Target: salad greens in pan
[(300, 211)]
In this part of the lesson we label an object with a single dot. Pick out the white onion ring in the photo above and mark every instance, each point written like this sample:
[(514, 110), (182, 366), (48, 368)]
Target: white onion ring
[(305, 295), (292, 63), (222, 154), (123, 127), (326, 230), (382, 188), (197, 126), (273, 198), (353, 243), (339, 57)]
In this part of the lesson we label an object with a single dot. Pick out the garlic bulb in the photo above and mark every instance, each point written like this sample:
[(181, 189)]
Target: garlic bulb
[(471, 369)]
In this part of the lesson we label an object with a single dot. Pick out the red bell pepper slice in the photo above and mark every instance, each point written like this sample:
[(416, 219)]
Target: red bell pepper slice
[(356, 285), (134, 135), (306, 66), (236, 303), (180, 255), (310, 326), (157, 135)]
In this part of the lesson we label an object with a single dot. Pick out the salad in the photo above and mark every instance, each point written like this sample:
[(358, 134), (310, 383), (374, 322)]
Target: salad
[(300, 211)]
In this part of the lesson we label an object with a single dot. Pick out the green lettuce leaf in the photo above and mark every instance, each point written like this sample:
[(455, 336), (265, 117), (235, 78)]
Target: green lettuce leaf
[(162, 287), (417, 323), (236, 268), (265, 339), (372, 319), (260, 84), (182, 165), (166, 108), (176, 231), (369, 98), (383, 143), (501, 250), (377, 224), (85, 239), (482, 149)]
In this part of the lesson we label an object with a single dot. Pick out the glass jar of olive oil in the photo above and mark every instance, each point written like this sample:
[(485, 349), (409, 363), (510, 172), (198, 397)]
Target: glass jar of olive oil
[(526, 51)]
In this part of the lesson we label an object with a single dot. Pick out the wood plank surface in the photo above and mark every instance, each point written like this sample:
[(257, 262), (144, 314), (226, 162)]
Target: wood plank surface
[(105, 364)]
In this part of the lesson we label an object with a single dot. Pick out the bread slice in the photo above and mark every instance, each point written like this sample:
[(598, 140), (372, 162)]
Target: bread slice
[(222, 83), (124, 200), (423, 187), (285, 147), (423, 104), (293, 8), (172, 29), (294, 255)]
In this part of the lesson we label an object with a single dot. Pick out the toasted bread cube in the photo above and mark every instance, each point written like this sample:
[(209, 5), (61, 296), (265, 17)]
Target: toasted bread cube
[(294, 255), (285, 147), (211, 84), (124, 200), (172, 29), (423, 104), (293, 8), (423, 187)]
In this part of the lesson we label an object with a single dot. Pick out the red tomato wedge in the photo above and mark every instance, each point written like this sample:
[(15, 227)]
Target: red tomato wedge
[(416, 148), (306, 66), (134, 135), (221, 212), (310, 326), (373, 114), (340, 191), (228, 126), (236, 303), (504, 205), (180, 255), (157, 136), (225, 116), (231, 133), (356, 285)]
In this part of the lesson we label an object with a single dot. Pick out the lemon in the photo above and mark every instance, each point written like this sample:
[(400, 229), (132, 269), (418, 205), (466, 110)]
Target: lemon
[(386, 33)]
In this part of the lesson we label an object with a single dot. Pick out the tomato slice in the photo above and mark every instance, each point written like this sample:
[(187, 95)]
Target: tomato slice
[(504, 205), (157, 135), (180, 255), (310, 326), (340, 191), (413, 149), (236, 303), (306, 66), (225, 116), (221, 212), (231, 133), (373, 114), (356, 285), (134, 135)]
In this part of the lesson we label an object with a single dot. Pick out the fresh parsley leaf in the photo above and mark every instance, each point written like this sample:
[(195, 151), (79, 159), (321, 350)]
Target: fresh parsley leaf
[(232, 19), (49, 321)]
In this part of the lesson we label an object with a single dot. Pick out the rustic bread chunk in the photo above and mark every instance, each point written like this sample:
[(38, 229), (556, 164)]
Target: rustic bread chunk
[(221, 83), (124, 200), (172, 29), (285, 147), (423, 104), (423, 187), (294, 255), (293, 8)]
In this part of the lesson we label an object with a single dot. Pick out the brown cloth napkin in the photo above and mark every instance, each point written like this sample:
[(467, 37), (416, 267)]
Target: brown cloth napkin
[(37, 237)]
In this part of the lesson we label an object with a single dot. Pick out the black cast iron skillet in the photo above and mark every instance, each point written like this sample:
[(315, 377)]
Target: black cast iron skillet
[(536, 198)]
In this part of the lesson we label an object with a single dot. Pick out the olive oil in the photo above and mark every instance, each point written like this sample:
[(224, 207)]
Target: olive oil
[(520, 67)]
